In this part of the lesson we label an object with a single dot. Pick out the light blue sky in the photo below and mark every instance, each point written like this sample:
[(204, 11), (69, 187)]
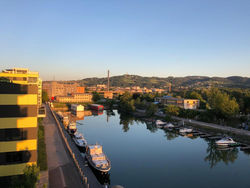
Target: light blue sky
[(75, 39)]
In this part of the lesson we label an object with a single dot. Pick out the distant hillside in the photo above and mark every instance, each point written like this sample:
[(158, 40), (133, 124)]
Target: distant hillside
[(158, 82)]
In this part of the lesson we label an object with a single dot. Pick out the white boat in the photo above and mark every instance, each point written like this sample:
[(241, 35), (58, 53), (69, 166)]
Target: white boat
[(65, 120), (79, 140), (185, 130), (169, 126), (60, 115), (160, 123), (97, 159), (72, 127), (225, 141)]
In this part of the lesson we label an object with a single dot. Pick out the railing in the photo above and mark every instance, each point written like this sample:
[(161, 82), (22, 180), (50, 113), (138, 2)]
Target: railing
[(83, 178)]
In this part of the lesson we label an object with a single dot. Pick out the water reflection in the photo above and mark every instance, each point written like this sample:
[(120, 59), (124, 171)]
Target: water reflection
[(170, 135), (126, 120), (217, 154), (103, 178), (134, 166), (151, 126)]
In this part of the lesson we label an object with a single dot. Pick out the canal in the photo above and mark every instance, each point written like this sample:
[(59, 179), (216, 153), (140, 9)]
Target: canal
[(144, 156)]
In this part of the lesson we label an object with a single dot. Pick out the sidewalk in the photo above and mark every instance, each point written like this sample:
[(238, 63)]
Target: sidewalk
[(83, 164), (226, 129), (62, 171)]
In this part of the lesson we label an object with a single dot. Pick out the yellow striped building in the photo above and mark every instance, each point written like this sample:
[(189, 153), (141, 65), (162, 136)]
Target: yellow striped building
[(18, 127), (24, 76)]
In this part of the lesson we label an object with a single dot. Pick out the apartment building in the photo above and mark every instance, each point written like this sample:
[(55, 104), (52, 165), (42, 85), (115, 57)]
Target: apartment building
[(18, 123), (24, 76), (55, 89), (180, 102)]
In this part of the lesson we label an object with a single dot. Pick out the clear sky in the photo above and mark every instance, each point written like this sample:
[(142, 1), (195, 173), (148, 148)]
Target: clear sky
[(76, 39)]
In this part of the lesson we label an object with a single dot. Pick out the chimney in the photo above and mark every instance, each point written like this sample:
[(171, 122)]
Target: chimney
[(108, 80)]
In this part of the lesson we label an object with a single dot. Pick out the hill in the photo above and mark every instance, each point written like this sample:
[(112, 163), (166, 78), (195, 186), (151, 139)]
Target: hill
[(159, 82)]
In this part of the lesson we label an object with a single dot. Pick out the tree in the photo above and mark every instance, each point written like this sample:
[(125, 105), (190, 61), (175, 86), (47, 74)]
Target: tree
[(172, 110), (152, 108), (28, 179), (45, 97), (96, 96), (127, 103), (221, 103), (196, 95)]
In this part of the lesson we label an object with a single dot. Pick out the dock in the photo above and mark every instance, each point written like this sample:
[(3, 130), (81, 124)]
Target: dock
[(215, 137)]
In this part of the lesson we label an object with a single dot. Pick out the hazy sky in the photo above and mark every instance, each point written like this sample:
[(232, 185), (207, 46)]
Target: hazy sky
[(76, 39)]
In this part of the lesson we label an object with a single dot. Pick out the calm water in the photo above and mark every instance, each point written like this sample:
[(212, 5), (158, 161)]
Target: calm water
[(144, 156)]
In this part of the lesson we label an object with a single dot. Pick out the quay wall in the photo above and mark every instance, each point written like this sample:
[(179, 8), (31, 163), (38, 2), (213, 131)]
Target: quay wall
[(83, 178)]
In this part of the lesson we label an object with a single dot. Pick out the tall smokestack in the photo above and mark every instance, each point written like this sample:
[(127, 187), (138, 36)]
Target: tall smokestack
[(108, 80)]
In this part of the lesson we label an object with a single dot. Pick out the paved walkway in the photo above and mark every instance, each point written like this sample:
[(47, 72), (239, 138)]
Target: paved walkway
[(216, 126), (92, 180), (211, 125), (62, 171)]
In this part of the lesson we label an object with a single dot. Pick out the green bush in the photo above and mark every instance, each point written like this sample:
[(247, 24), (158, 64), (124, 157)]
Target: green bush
[(28, 179), (42, 155)]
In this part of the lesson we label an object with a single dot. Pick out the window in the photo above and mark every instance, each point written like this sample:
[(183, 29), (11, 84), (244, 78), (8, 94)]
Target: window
[(15, 157), (12, 134), (32, 79)]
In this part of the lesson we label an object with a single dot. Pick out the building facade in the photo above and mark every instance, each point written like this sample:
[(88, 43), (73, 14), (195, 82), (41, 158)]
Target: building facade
[(18, 127), (75, 98), (24, 76), (55, 89), (180, 102)]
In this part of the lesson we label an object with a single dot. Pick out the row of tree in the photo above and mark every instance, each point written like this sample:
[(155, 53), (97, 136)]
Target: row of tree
[(129, 102), (223, 103)]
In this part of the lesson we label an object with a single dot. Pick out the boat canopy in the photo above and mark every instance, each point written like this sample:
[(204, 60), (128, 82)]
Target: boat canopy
[(95, 149), (99, 157)]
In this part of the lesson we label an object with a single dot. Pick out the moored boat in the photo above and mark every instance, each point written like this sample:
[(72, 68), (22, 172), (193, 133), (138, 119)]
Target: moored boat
[(79, 140), (60, 115), (225, 141), (97, 107), (97, 159), (72, 127), (169, 126), (65, 120), (160, 124)]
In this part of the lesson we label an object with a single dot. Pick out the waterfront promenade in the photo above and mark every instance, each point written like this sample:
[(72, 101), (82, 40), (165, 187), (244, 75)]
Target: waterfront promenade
[(92, 180), (62, 171), (226, 129)]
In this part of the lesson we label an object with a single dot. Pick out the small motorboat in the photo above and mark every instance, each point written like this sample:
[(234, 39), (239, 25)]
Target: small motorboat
[(72, 127), (97, 159), (160, 124), (79, 140), (225, 141), (185, 130), (169, 126)]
